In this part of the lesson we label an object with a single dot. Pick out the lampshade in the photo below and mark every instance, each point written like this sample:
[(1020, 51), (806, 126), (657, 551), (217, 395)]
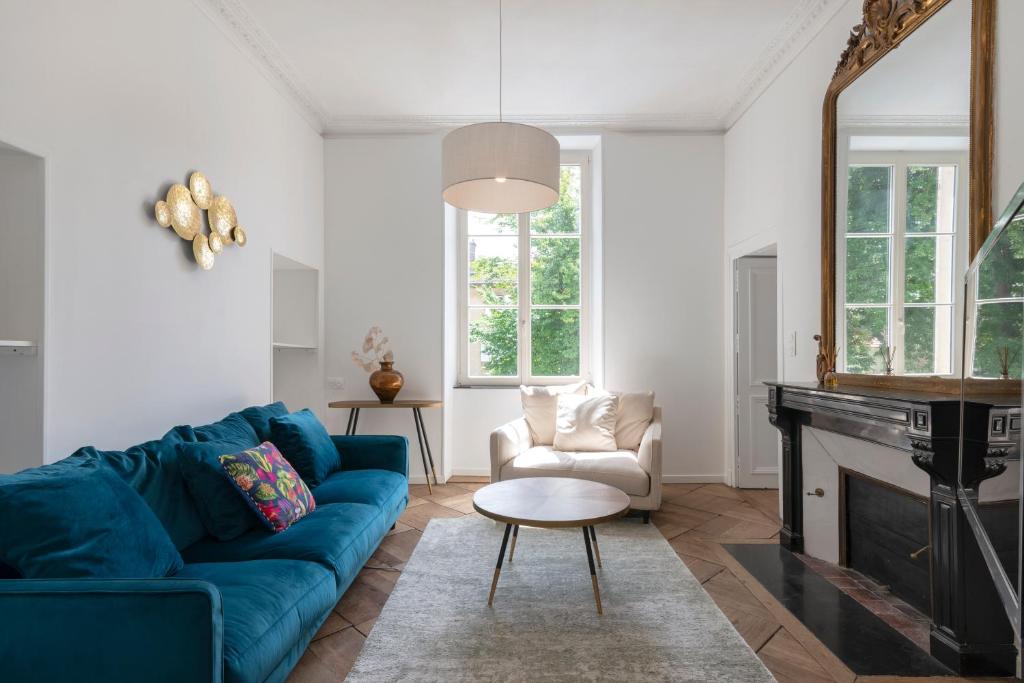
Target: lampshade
[(500, 168)]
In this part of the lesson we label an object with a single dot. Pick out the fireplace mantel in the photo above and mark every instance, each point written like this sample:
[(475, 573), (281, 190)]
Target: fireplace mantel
[(969, 632)]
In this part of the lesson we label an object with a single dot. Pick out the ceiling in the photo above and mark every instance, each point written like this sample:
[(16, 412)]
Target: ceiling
[(393, 65)]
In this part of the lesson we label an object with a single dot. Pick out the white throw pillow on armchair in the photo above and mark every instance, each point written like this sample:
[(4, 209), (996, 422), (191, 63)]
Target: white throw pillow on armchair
[(636, 410), (540, 406), (586, 423)]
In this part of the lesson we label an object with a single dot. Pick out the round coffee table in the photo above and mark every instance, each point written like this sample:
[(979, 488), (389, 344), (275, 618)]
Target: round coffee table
[(550, 503)]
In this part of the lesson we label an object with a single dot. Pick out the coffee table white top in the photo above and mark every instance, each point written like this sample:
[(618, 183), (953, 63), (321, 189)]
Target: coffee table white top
[(551, 502)]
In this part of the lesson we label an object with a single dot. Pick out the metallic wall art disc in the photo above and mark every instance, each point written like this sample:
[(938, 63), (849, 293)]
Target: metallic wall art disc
[(222, 216), (239, 235), (201, 191), (216, 243), (163, 214), (185, 217), (201, 250)]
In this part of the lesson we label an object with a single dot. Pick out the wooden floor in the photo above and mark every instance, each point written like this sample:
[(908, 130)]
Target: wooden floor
[(694, 518)]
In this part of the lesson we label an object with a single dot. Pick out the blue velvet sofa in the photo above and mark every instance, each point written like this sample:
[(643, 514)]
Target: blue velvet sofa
[(239, 610)]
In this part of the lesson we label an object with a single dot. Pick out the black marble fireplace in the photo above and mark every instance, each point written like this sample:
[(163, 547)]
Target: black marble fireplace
[(897, 539)]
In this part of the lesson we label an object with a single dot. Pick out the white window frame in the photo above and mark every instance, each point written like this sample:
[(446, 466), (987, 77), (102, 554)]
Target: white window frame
[(900, 161), (525, 376)]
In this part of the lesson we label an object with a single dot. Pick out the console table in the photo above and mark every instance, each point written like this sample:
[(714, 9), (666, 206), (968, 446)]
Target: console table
[(421, 431), (970, 633)]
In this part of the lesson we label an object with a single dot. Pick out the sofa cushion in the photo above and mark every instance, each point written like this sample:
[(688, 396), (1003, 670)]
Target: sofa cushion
[(86, 523), (382, 488), (259, 418), (540, 406), (615, 468), (153, 470), (224, 513), (233, 428), (339, 536), (636, 410), (270, 606), (269, 485), (306, 444), (586, 423)]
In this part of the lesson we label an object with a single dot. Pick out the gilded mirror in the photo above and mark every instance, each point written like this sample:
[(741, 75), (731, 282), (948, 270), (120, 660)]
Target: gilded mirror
[(906, 189)]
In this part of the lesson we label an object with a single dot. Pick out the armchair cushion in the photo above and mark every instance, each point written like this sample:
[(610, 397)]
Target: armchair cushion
[(615, 468), (636, 410), (540, 406), (586, 423)]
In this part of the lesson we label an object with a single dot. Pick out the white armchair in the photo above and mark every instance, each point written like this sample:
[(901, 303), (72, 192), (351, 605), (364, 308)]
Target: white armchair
[(636, 473)]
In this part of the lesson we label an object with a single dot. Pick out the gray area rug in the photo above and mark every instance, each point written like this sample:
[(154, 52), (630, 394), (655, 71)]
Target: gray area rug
[(658, 623)]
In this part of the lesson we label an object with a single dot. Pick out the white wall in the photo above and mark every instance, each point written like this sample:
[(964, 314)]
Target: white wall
[(122, 99), (22, 199), (384, 224), (662, 294)]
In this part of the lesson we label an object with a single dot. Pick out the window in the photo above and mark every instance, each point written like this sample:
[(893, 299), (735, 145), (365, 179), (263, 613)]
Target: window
[(523, 288), (998, 325), (902, 259)]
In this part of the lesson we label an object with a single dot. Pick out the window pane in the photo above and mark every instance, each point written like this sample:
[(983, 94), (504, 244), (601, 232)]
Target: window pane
[(867, 270), (867, 203), (555, 342), (866, 332), (1002, 272), (927, 334), (555, 270), (1000, 327), (493, 342), (563, 216), (930, 268), (493, 271), (931, 198), (491, 223)]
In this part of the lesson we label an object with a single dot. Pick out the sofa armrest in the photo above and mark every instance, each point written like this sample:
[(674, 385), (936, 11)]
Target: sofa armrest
[(649, 456), (507, 442), (366, 452), (111, 630)]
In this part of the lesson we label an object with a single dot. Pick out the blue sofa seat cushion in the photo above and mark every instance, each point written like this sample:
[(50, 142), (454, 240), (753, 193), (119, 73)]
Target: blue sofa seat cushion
[(259, 418), (382, 488), (224, 512), (304, 441), (86, 523), (270, 606), (339, 536)]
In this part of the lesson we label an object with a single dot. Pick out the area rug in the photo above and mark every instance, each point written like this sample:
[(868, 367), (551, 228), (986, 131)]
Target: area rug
[(658, 623)]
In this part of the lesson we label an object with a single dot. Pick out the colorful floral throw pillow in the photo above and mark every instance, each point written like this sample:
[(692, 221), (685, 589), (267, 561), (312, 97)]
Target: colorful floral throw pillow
[(270, 485)]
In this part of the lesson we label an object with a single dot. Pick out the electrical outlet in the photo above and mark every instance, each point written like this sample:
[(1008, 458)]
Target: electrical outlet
[(336, 383)]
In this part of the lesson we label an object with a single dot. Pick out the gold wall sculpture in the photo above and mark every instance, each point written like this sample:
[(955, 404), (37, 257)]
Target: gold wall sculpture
[(182, 210)]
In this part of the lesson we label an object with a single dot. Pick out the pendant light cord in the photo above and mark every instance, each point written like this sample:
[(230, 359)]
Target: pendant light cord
[(501, 63)]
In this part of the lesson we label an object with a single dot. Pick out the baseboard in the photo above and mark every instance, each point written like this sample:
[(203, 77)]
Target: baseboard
[(692, 479), (472, 472)]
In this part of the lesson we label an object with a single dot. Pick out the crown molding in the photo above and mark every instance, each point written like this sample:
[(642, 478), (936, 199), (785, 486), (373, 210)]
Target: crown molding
[(953, 122), (344, 126), (235, 21), (804, 23)]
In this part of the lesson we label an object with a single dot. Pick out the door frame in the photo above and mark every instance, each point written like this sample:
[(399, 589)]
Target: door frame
[(756, 245)]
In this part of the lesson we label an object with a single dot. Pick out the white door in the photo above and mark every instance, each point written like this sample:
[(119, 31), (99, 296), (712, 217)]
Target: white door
[(755, 322)]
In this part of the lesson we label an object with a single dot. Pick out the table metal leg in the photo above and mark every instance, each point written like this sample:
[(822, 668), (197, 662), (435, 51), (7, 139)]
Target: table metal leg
[(418, 414), (420, 436), (597, 551), (593, 571), (351, 416), (515, 535), (497, 569), (355, 420)]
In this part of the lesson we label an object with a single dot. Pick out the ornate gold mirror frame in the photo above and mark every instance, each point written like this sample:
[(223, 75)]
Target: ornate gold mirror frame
[(885, 25)]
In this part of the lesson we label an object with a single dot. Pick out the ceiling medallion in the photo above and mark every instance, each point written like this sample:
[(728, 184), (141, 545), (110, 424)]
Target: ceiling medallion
[(182, 211), (500, 167)]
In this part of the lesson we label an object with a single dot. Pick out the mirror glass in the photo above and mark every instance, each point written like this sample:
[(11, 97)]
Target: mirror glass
[(902, 237), (993, 334)]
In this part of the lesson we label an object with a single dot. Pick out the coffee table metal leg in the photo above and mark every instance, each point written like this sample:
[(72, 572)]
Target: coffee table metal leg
[(497, 569), (515, 535), (420, 436), (593, 571), (597, 550)]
